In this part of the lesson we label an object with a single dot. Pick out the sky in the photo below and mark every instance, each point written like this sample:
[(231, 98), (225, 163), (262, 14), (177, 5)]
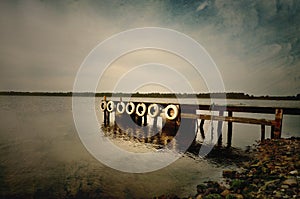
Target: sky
[(255, 44)]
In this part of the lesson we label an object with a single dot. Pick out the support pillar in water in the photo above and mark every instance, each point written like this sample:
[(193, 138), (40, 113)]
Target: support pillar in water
[(229, 132), (219, 131)]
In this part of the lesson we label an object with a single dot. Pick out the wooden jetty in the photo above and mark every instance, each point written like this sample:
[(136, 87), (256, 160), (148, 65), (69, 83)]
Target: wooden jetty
[(188, 114)]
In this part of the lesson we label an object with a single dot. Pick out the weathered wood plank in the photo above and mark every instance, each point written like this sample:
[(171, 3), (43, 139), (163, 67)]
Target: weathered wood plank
[(229, 119), (191, 108)]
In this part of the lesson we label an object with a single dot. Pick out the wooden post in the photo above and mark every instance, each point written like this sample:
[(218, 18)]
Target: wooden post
[(106, 115), (220, 124), (229, 132), (145, 116), (278, 123), (262, 132)]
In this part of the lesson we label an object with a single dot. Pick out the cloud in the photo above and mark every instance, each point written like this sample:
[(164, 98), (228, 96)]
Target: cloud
[(202, 6), (255, 44)]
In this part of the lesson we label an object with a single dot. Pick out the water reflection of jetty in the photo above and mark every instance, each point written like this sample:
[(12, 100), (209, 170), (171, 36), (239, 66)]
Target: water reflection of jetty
[(185, 120)]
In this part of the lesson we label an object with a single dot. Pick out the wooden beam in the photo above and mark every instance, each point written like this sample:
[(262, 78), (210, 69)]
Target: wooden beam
[(190, 108), (236, 108), (229, 119)]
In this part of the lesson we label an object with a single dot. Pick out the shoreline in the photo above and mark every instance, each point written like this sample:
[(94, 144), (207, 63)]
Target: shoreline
[(272, 171), (227, 95)]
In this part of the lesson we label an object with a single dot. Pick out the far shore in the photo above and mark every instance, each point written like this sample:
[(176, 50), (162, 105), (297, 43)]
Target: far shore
[(231, 95)]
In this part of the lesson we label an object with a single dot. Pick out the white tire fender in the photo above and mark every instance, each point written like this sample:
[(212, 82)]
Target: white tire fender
[(130, 108), (103, 106), (139, 107), (110, 106), (121, 107), (153, 110), (171, 112)]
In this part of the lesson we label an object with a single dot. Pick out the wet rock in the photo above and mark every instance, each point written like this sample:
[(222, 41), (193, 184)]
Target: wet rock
[(284, 186), (290, 182), (295, 172), (229, 173), (237, 184), (239, 196), (199, 196), (201, 188), (213, 196), (225, 193), (278, 194), (272, 173)]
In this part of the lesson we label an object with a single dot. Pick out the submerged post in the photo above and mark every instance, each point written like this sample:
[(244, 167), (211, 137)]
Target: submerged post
[(229, 132)]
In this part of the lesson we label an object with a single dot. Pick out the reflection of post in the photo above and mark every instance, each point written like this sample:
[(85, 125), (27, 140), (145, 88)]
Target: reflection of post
[(169, 128), (202, 129), (186, 135), (262, 136), (278, 122), (138, 119), (108, 118), (145, 116), (229, 132), (155, 123), (272, 131), (220, 124)]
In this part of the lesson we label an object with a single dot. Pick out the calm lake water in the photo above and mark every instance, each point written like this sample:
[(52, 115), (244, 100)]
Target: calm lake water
[(42, 156)]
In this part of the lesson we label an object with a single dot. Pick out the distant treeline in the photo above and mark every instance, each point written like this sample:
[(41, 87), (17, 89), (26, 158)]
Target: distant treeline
[(231, 95)]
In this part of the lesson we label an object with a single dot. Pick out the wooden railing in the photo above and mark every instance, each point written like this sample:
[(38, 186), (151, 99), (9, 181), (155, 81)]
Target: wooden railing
[(276, 124)]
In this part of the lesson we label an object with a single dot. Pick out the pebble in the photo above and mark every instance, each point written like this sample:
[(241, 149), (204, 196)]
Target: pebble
[(295, 172), (290, 182), (284, 186), (225, 193)]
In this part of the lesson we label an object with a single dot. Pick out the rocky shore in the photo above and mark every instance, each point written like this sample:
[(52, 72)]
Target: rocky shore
[(273, 171)]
